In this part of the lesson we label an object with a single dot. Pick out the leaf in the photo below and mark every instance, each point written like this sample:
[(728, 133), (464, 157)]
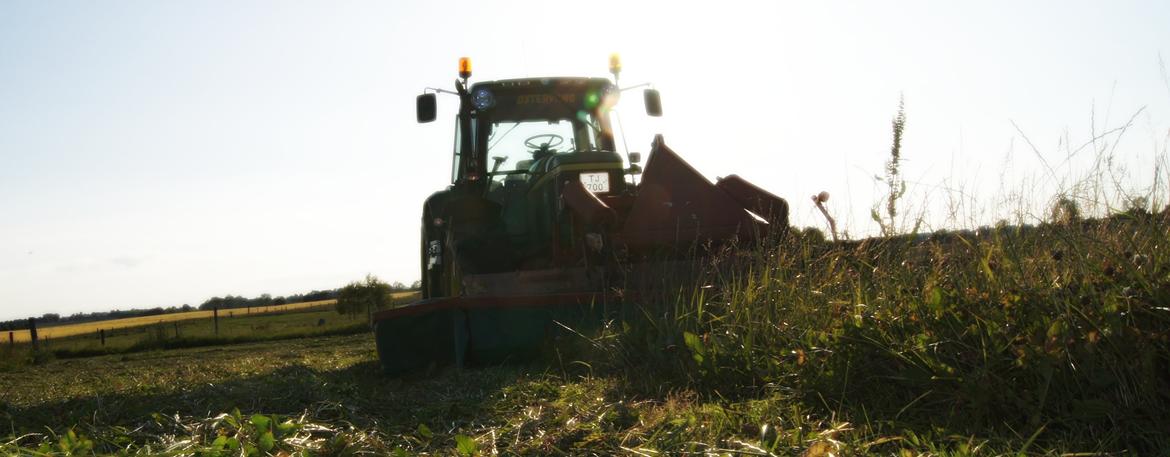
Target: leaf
[(934, 299), (819, 449), (466, 446), (1056, 329), (261, 422), (985, 265), (425, 431), (286, 428), (695, 344), (266, 442)]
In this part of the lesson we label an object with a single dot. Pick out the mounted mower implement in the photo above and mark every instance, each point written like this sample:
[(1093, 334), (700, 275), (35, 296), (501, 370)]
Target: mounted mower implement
[(543, 215)]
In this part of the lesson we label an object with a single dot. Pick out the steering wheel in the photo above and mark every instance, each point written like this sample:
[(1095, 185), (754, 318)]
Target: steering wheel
[(554, 140)]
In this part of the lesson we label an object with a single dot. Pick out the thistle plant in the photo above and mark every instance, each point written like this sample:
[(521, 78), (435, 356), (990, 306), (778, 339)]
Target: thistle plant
[(895, 183)]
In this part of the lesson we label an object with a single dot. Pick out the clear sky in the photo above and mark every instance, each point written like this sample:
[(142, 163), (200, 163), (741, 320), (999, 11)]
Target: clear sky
[(159, 153)]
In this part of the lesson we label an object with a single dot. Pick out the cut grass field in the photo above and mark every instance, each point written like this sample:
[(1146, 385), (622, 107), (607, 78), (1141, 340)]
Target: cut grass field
[(332, 393), (1049, 340), (235, 326), (87, 328)]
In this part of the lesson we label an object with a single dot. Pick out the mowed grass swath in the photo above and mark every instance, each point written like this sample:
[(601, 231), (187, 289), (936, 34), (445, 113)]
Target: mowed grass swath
[(233, 327), (66, 330)]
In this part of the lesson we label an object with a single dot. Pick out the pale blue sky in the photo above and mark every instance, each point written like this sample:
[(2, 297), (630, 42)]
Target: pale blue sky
[(159, 153)]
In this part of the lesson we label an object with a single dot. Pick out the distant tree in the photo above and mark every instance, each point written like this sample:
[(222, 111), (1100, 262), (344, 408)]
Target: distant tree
[(212, 303), (50, 317), (279, 301), (416, 285), (364, 296), (316, 295)]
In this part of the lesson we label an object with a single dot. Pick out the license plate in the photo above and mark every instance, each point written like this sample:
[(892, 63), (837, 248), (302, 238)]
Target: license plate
[(596, 182)]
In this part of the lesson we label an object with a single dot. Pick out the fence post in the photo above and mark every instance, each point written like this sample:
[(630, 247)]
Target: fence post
[(11, 338), (32, 331), (176, 329), (103, 334), (215, 317)]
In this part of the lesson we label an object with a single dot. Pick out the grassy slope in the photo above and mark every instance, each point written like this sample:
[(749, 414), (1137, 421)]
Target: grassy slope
[(1042, 340)]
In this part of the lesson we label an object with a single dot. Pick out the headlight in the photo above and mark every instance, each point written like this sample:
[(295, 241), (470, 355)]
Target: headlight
[(482, 99)]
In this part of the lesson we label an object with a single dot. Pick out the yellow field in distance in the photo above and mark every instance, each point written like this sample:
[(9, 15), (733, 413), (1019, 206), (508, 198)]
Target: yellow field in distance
[(62, 331)]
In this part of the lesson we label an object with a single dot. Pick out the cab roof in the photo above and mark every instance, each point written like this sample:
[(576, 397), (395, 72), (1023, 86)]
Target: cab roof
[(544, 84), (539, 98)]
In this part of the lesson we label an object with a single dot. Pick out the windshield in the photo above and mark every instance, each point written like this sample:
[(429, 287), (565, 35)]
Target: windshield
[(513, 145)]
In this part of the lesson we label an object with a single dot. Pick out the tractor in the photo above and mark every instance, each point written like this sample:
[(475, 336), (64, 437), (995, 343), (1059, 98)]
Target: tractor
[(543, 216)]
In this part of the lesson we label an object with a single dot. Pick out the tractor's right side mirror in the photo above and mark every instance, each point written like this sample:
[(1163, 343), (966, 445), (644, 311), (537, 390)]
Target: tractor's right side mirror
[(653, 102), (635, 157), (425, 108)]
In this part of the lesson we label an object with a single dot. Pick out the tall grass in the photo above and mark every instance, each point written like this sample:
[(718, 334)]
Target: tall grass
[(1052, 332), (1059, 330)]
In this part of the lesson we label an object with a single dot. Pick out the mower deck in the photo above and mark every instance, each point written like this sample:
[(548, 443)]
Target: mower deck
[(480, 330)]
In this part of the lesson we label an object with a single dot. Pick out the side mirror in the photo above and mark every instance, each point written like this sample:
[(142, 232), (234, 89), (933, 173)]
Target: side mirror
[(653, 102), (425, 108), (635, 157)]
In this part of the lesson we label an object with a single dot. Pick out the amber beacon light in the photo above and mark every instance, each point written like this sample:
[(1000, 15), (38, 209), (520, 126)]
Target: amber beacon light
[(615, 64), (465, 67)]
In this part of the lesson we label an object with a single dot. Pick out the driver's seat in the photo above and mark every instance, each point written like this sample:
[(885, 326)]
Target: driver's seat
[(515, 212), (514, 179)]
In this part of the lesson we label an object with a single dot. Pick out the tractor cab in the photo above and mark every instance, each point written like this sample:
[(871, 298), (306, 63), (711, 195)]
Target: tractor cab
[(519, 143), (530, 129)]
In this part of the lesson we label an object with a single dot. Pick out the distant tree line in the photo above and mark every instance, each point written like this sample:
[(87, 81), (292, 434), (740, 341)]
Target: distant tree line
[(55, 319), (226, 302)]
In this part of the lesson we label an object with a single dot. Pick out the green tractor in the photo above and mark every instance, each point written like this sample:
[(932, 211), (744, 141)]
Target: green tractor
[(543, 215)]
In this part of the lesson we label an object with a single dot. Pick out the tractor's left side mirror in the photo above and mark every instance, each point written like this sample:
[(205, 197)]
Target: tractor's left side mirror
[(425, 108), (653, 102)]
